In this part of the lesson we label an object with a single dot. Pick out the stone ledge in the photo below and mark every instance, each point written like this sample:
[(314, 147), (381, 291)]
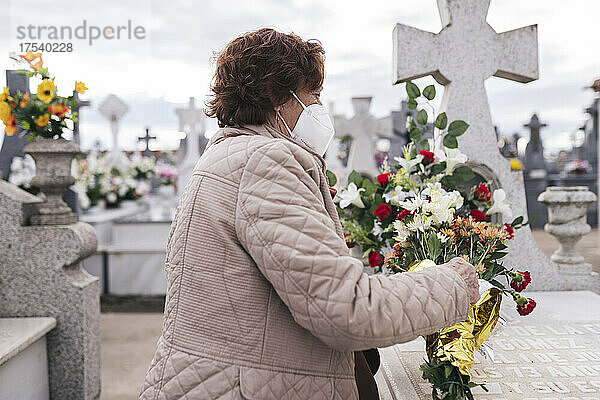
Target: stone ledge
[(16, 334)]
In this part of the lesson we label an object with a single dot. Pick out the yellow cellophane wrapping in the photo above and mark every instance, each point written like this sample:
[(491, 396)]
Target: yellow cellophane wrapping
[(458, 343)]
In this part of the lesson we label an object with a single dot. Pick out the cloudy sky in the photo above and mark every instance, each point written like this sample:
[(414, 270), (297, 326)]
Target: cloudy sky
[(173, 61)]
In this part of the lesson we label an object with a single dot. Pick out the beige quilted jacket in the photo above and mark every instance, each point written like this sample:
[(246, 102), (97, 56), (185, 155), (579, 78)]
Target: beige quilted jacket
[(264, 300)]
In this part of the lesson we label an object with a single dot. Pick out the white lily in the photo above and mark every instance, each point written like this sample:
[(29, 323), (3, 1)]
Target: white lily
[(453, 157), (396, 196), (409, 165), (500, 205), (351, 195)]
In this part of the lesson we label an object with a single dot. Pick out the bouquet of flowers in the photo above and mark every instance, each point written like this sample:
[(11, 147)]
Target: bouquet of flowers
[(96, 179), (422, 211), (44, 113)]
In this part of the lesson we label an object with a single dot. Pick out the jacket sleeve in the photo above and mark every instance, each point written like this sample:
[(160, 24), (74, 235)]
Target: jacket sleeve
[(282, 223)]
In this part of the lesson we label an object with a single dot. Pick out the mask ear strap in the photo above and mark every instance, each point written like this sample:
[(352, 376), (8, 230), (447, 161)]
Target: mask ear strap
[(284, 123), (299, 101)]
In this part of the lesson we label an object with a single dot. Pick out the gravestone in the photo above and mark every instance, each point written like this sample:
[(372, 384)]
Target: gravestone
[(364, 129), (535, 166), (113, 109), (41, 276), (400, 134), (553, 353), (461, 57), (12, 146), (77, 109), (191, 121)]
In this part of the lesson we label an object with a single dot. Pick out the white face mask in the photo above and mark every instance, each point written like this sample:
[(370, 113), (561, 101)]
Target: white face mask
[(314, 127)]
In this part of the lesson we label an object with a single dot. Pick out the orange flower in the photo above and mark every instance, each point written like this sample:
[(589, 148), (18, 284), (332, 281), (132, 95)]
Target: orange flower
[(5, 111), (30, 57), (58, 109), (24, 101), (11, 126)]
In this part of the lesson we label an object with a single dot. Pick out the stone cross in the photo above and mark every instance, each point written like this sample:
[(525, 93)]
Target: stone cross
[(80, 104), (147, 139), (364, 129), (113, 109), (191, 121), (12, 146), (461, 57), (534, 152)]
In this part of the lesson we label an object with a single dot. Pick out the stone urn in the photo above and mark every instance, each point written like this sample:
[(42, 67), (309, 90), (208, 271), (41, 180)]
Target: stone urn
[(53, 159), (567, 222)]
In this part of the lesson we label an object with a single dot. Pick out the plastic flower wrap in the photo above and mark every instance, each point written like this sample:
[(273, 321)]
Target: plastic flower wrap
[(424, 209)]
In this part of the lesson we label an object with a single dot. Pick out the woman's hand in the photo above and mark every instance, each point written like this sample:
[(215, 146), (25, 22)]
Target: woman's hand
[(468, 273)]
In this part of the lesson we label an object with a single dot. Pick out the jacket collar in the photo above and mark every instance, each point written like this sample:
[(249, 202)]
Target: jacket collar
[(263, 130)]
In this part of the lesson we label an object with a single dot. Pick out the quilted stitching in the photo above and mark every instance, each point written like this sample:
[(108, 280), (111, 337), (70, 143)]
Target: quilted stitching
[(281, 302)]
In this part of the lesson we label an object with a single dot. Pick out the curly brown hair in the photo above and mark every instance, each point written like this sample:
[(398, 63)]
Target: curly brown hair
[(256, 71)]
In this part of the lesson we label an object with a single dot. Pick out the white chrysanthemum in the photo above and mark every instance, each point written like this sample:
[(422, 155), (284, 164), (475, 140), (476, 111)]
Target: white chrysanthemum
[(420, 222), (111, 197), (412, 204), (402, 232)]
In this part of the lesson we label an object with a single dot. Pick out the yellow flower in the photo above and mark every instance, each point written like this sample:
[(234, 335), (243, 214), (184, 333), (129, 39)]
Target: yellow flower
[(5, 111), (42, 120), (80, 87), (45, 90), (5, 96), (515, 165), (11, 126)]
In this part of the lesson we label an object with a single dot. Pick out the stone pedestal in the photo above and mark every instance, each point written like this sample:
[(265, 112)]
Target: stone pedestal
[(41, 276), (567, 212)]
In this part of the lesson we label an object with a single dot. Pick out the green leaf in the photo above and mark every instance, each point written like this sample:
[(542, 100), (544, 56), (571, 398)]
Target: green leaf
[(441, 121), (368, 186), (424, 145), (429, 92), (331, 178), (463, 173), (355, 178), (457, 128), (412, 90), (517, 221), (415, 134), (450, 142), (412, 104), (422, 117)]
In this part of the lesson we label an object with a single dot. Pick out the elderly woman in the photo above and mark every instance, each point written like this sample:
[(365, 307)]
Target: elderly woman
[(264, 300)]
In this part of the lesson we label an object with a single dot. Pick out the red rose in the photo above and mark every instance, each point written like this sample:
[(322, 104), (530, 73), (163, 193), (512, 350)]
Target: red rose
[(478, 215), (483, 193), (382, 211), (520, 280), (403, 214), (332, 191), (350, 245), (527, 308), (428, 156), (383, 179), (510, 231), (375, 259)]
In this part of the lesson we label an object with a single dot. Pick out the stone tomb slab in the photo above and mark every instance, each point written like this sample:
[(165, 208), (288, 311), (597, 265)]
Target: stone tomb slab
[(554, 353)]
